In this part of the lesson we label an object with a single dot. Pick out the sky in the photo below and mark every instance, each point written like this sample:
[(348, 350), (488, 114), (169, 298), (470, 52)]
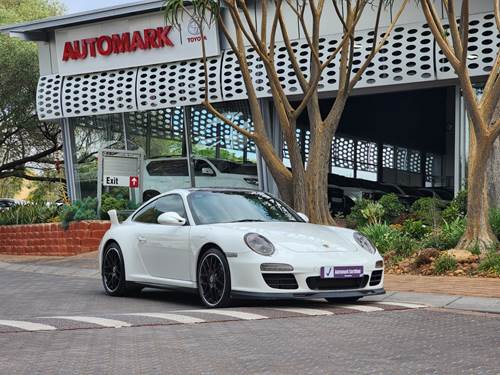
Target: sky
[(75, 6)]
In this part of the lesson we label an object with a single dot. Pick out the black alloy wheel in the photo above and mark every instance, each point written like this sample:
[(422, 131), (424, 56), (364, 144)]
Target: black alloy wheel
[(214, 279), (113, 273)]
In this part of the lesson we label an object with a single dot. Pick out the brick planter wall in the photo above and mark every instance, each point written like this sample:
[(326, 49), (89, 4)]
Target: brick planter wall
[(51, 238)]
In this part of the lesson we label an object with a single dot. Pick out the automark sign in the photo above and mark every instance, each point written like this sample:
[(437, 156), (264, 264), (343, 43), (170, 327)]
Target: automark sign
[(129, 42)]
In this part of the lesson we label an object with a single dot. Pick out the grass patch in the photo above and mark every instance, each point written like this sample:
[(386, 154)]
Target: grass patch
[(445, 263), (491, 263)]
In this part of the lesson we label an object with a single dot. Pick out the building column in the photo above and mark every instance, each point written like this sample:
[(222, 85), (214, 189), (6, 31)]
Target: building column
[(266, 181), (69, 150), (461, 142)]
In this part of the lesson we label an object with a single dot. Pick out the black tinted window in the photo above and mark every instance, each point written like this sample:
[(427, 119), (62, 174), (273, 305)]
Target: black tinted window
[(230, 167), (169, 203), (168, 168), (147, 215), (200, 165)]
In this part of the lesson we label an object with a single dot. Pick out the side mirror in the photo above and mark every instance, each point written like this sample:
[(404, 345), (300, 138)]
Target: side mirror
[(171, 218), (207, 171), (303, 217)]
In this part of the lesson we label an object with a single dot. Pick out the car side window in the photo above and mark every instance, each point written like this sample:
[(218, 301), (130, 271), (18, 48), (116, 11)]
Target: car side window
[(202, 168), (168, 203), (171, 203), (147, 215), (168, 168)]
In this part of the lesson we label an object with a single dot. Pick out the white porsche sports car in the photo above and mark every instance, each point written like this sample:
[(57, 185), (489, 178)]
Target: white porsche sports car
[(226, 243)]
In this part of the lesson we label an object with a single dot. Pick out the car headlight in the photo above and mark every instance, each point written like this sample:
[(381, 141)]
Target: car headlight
[(258, 243), (364, 243)]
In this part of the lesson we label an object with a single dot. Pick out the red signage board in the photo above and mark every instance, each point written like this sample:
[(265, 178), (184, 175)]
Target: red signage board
[(134, 182)]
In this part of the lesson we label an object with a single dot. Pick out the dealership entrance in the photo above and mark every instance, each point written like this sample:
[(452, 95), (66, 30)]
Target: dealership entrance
[(121, 76)]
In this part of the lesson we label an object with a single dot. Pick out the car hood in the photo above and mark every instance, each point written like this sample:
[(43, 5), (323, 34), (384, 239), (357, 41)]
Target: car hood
[(300, 237)]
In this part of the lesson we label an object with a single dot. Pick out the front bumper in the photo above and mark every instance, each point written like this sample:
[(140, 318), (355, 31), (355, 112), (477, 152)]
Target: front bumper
[(308, 295), (247, 278)]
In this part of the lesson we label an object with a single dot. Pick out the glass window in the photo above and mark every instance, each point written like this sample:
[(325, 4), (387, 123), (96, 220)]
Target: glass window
[(202, 168), (176, 167), (171, 203), (168, 203), (229, 167), (209, 207), (232, 156), (147, 215)]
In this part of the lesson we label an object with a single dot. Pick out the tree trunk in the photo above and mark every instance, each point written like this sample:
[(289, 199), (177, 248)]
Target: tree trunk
[(298, 171), (478, 232), (494, 175), (494, 169), (318, 209)]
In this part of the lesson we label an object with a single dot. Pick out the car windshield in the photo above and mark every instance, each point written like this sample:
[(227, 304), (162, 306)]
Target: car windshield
[(211, 207)]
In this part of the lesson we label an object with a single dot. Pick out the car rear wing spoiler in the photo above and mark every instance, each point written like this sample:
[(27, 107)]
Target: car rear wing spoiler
[(113, 216)]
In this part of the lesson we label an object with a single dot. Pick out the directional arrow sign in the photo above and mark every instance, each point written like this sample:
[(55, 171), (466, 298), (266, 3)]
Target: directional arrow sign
[(134, 182)]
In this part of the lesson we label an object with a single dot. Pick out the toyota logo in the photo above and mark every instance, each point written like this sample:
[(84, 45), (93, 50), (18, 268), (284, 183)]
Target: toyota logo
[(193, 28)]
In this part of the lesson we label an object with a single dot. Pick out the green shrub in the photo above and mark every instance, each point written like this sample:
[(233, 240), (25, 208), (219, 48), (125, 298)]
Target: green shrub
[(416, 229), (490, 263), (404, 245), (453, 231), (495, 221), (428, 210), (445, 263), (381, 235), (373, 213), (109, 202), (31, 213), (85, 209), (393, 208), (447, 236), (457, 207), (355, 219)]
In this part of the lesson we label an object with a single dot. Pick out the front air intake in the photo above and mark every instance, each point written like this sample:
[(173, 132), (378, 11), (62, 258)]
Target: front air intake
[(280, 280)]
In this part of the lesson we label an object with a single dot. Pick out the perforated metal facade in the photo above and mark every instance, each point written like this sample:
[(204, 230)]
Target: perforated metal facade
[(409, 56)]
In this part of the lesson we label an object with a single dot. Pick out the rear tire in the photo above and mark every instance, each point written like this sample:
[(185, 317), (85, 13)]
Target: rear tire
[(214, 279), (343, 299), (113, 273)]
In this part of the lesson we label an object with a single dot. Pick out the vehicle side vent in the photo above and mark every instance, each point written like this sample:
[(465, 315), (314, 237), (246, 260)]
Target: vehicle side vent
[(280, 280), (376, 277)]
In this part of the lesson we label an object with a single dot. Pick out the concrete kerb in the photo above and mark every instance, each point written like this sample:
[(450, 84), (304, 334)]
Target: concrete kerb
[(446, 301), (51, 270)]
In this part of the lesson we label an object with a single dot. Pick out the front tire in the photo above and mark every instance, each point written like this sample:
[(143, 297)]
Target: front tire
[(214, 279), (113, 273)]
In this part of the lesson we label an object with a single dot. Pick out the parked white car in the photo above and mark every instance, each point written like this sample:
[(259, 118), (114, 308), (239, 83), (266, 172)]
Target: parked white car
[(225, 243), (164, 174), (6, 203)]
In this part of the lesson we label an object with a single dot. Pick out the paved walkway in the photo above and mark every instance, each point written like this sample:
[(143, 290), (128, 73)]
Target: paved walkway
[(455, 285)]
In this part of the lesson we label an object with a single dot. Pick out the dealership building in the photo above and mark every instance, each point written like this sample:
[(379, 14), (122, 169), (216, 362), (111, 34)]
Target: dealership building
[(127, 90)]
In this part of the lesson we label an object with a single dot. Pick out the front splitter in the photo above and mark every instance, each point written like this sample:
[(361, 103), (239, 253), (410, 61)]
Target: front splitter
[(308, 295)]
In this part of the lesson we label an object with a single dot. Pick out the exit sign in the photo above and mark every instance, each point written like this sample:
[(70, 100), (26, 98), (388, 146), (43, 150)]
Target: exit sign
[(116, 181), (133, 182)]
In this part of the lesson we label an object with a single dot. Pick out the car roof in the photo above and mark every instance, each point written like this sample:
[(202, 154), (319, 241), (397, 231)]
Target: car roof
[(187, 191)]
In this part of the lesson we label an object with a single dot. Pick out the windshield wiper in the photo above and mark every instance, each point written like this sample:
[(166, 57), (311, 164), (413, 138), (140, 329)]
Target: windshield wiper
[(246, 220)]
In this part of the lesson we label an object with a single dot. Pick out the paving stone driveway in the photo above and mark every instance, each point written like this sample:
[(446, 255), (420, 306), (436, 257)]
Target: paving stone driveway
[(251, 338)]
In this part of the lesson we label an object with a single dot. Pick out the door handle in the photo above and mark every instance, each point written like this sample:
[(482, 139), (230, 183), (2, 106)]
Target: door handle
[(141, 239)]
